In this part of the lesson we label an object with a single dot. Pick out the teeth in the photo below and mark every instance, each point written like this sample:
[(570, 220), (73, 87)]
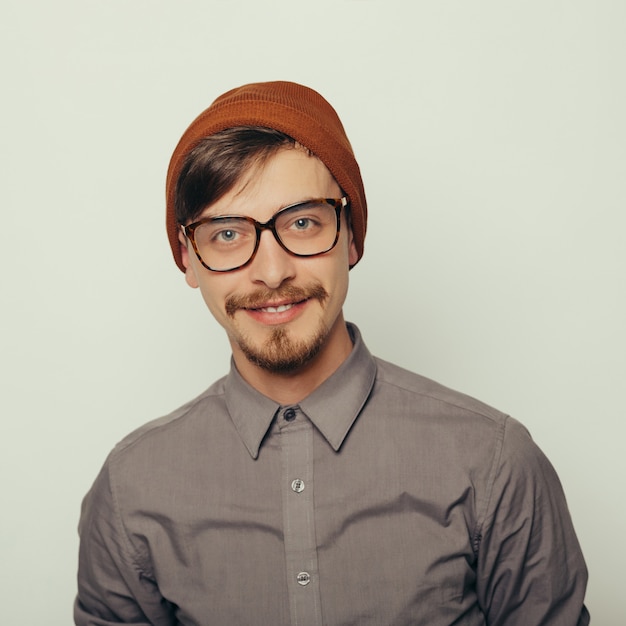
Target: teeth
[(277, 309)]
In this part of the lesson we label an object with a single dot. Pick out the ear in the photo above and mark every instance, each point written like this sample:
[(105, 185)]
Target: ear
[(190, 274), (353, 255)]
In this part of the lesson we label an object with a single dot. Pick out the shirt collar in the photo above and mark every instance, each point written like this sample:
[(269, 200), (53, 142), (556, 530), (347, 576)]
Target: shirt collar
[(332, 407)]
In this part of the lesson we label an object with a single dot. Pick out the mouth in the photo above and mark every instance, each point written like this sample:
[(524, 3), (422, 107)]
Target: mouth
[(276, 313), (275, 302), (279, 308)]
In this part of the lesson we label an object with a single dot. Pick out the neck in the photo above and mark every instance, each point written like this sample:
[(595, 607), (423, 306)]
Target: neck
[(293, 386)]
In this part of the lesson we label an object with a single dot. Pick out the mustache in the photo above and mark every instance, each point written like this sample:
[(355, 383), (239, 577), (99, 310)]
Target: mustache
[(261, 297)]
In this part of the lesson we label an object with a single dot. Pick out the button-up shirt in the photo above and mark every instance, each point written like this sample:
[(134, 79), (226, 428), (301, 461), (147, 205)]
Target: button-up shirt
[(382, 498)]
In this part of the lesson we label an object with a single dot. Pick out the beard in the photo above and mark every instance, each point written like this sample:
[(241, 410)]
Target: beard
[(280, 353)]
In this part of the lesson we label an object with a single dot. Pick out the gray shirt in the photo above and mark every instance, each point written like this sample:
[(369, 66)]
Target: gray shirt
[(382, 498)]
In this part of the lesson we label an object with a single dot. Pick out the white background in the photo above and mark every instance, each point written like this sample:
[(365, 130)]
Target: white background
[(492, 141)]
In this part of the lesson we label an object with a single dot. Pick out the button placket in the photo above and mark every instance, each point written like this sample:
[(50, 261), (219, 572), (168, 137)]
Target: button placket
[(300, 545)]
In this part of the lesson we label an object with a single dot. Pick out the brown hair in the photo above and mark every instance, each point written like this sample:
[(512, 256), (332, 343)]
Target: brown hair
[(217, 163)]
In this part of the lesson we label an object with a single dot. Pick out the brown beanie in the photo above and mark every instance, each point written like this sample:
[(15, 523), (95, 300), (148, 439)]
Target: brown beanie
[(292, 109)]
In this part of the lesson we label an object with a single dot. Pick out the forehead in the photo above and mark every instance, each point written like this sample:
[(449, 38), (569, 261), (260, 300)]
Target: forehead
[(288, 176)]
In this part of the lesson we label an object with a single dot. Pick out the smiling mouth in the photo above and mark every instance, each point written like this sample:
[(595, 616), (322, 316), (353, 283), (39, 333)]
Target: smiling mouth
[(277, 309), (284, 299)]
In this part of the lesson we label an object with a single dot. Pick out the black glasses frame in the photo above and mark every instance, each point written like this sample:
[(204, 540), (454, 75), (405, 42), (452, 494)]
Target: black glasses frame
[(336, 203)]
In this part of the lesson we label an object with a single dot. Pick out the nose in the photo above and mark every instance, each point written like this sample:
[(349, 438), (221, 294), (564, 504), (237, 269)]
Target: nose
[(271, 265)]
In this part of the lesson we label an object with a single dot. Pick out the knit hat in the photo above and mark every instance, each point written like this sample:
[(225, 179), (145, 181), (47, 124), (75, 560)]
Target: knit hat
[(293, 109)]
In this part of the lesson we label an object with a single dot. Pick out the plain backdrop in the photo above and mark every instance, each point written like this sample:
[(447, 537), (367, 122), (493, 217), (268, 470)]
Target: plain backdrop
[(492, 141)]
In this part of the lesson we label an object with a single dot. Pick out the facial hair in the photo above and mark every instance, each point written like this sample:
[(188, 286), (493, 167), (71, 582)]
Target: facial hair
[(280, 353)]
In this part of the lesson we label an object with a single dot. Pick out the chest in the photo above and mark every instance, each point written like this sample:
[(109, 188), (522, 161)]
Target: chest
[(379, 532)]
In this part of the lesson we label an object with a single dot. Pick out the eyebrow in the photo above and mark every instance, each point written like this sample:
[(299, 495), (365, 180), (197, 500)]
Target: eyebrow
[(204, 216)]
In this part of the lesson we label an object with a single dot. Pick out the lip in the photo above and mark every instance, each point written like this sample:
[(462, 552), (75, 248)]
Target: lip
[(275, 313)]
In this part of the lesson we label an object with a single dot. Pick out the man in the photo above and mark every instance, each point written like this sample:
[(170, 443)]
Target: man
[(314, 484)]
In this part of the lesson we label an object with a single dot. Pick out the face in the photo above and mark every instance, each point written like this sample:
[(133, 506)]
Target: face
[(280, 312)]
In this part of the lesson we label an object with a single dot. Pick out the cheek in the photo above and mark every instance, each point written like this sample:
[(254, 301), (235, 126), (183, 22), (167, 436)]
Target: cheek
[(214, 297), (335, 277), (341, 286)]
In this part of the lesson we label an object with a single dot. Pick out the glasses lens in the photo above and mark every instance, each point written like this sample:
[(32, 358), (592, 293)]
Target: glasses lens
[(308, 228), (225, 242)]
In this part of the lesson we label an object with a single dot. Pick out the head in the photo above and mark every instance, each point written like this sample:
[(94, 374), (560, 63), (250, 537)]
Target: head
[(298, 112), (279, 310)]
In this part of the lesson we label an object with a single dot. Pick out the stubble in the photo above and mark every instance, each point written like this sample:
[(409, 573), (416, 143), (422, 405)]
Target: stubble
[(280, 353)]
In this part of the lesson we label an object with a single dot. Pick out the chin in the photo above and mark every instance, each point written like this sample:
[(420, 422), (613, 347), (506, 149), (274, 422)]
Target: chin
[(281, 353)]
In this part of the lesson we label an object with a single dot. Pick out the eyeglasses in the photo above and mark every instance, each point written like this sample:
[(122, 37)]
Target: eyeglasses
[(229, 242)]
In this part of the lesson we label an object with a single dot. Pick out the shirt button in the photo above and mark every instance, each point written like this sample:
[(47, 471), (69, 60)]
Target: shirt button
[(298, 485), (303, 578), (289, 415)]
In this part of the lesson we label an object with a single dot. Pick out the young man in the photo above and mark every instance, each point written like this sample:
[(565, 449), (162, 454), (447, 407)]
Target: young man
[(314, 484)]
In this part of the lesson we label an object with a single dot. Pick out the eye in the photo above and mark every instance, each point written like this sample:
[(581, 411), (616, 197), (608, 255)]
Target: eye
[(226, 236), (224, 232), (302, 223), (304, 220)]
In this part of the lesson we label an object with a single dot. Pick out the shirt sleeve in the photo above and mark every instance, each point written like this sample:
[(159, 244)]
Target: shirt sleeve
[(530, 571), (113, 588)]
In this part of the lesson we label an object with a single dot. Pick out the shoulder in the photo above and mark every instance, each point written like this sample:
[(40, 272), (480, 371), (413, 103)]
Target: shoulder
[(453, 432), (184, 423), (428, 397), (473, 423), (154, 460)]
